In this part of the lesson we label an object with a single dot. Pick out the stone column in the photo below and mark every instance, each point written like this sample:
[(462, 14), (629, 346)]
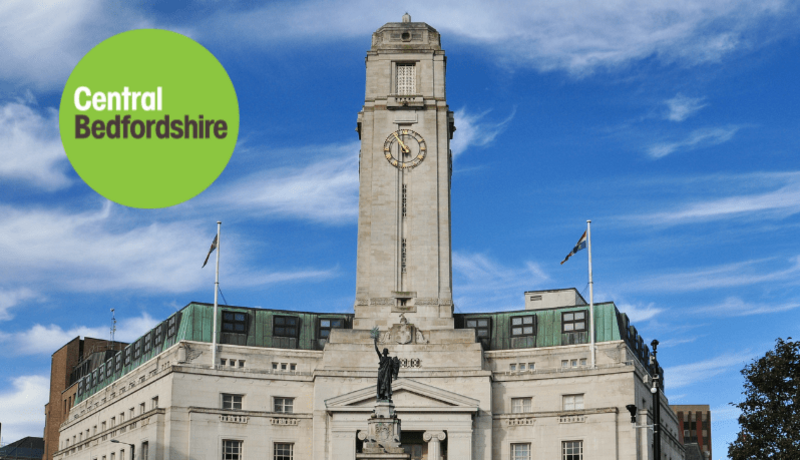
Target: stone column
[(433, 438)]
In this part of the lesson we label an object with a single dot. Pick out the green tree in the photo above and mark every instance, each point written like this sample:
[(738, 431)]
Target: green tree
[(770, 420)]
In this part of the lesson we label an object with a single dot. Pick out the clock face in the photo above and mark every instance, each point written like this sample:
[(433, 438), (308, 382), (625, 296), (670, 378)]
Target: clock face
[(404, 148)]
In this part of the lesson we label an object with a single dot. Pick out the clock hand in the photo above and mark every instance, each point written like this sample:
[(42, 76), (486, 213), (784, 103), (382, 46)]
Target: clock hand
[(405, 149)]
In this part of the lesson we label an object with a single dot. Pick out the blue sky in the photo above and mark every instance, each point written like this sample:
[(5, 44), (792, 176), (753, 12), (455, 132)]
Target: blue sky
[(671, 124)]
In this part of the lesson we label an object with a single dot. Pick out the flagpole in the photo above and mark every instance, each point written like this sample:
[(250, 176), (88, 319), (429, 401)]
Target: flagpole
[(591, 291), (216, 293)]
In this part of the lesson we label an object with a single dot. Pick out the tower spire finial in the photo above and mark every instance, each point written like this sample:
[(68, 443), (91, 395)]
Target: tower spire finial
[(406, 17)]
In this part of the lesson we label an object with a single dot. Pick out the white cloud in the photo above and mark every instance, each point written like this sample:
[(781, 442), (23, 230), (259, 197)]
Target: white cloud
[(12, 297), (103, 250), (487, 285), (688, 374), (46, 339), (722, 276), (682, 107), (639, 313), (783, 199), (42, 41), (22, 406), (471, 130), (697, 139), (734, 306), (324, 191), (546, 35), (30, 147)]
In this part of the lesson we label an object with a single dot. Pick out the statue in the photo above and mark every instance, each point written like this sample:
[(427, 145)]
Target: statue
[(387, 370)]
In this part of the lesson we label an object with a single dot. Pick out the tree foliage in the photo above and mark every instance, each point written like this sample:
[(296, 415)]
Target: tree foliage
[(770, 419)]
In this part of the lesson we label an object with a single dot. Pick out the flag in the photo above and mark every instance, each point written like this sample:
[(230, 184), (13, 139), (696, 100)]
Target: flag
[(214, 246), (580, 245)]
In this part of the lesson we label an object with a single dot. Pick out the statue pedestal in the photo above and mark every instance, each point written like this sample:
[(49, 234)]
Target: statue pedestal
[(382, 439)]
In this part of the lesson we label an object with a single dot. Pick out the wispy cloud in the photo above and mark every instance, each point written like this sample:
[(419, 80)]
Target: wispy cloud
[(12, 297), (104, 250), (487, 284), (324, 191), (22, 404), (45, 339), (688, 374), (780, 200), (734, 306), (697, 139), (682, 107), (723, 276), (30, 147), (473, 130), (548, 36), (638, 312)]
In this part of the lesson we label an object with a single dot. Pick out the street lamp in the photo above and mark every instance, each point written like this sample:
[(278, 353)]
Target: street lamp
[(133, 447), (656, 401)]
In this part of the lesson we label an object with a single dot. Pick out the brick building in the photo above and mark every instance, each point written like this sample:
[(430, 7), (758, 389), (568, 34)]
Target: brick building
[(695, 426), (67, 365)]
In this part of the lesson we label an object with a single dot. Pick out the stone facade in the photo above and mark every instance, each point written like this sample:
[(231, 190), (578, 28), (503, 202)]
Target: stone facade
[(471, 386)]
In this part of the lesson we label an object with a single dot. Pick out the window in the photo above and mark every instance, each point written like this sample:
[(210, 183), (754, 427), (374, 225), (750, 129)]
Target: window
[(326, 324), (284, 405), (103, 426), (172, 326), (481, 326), (234, 322), (95, 430), (572, 450), (231, 450), (148, 342), (158, 339), (406, 79), (285, 326), (154, 403), (523, 326), (137, 349), (122, 454), (232, 362), (572, 402), (141, 408), (113, 421), (274, 366), (109, 368), (231, 401), (131, 413), (521, 451), (122, 417), (283, 451), (531, 366), (241, 363), (118, 362), (222, 362), (574, 321), (112, 455), (520, 405), (292, 367), (127, 353), (145, 450), (512, 367)]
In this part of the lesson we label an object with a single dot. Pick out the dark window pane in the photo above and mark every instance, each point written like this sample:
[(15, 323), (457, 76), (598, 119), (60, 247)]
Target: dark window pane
[(291, 321), (227, 326), (279, 320), (239, 316), (324, 333), (239, 327), (337, 323), (483, 333), (291, 331), (280, 331), (227, 316)]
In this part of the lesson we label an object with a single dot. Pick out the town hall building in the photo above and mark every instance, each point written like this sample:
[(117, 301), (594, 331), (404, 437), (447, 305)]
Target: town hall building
[(297, 385)]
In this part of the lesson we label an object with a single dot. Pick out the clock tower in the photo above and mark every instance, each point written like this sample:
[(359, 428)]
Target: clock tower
[(405, 127)]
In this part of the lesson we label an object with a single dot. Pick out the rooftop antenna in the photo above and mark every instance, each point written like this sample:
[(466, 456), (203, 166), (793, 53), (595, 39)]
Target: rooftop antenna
[(113, 327)]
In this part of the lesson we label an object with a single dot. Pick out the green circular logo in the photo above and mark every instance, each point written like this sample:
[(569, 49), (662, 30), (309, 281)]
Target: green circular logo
[(149, 118)]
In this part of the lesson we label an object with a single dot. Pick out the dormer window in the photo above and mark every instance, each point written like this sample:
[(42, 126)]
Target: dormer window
[(406, 79)]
